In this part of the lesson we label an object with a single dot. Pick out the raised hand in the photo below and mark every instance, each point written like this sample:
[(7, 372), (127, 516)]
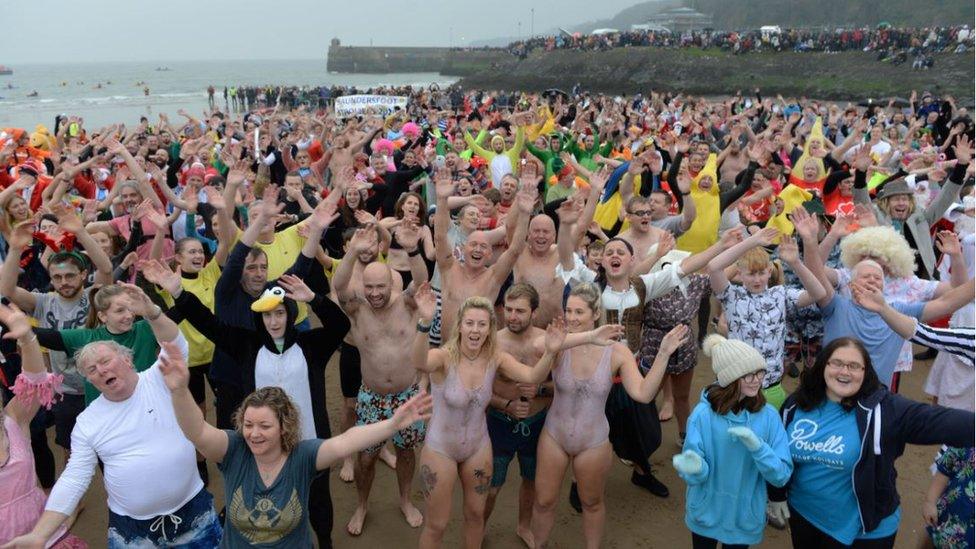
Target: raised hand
[(161, 275), (806, 225), (444, 184), (665, 243), (175, 372), (788, 250), (688, 462), (17, 323), (139, 302), (214, 197), (555, 334), (674, 339), (766, 236), (731, 237), (569, 212), (21, 235), (363, 239), (865, 215), (598, 180), (296, 288), (68, 218), (963, 149), (426, 302), (416, 409), (526, 198), (948, 243), (408, 234), (324, 215)]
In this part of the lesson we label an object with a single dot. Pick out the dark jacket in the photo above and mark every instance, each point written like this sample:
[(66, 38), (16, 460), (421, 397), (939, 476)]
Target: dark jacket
[(243, 345), (233, 305), (887, 422)]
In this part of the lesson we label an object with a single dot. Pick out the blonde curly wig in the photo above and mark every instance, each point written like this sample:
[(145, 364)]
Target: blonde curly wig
[(882, 244)]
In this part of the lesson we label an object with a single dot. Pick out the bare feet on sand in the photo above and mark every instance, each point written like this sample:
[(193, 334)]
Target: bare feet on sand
[(525, 534), (348, 471), (411, 513), (355, 526), (388, 457)]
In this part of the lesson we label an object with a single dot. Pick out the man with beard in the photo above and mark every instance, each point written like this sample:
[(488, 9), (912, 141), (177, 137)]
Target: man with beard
[(518, 410), (64, 308), (383, 321)]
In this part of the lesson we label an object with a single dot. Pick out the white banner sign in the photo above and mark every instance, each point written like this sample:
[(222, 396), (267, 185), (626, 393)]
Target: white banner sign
[(353, 105)]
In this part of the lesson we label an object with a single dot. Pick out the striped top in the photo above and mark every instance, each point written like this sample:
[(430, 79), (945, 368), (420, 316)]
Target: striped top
[(958, 341)]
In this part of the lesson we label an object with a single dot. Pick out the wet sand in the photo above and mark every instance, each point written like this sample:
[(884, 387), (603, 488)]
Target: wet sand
[(635, 518)]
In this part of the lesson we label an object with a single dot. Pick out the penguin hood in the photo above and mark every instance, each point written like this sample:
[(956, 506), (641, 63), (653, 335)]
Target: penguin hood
[(269, 300)]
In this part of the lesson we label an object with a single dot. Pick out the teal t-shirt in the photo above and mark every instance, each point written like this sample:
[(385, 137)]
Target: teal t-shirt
[(825, 446), (267, 516), (140, 339)]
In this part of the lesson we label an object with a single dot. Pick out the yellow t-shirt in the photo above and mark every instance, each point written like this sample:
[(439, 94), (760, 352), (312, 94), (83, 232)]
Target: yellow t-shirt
[(203, 286)]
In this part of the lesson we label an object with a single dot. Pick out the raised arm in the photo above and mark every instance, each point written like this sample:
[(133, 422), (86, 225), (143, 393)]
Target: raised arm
[(949, 302), (717, 266), (162, 326), (70, 221), (643, 389), (516, 371), (424, 358), (210, 441), (23, 407), (807, 226), (19, 238), (138, 174), (443, 253), (789, 252), (524, 201)]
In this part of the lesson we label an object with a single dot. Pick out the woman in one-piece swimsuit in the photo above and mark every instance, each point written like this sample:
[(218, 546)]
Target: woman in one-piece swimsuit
[(576, 429), (461, 375)]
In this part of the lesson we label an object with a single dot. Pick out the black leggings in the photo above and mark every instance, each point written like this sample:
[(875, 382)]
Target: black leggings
[(701, 542), (808, 536), (320, 509)]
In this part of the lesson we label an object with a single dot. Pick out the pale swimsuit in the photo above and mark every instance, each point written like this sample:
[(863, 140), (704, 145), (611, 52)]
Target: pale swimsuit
[(458, 425), (577, 420)]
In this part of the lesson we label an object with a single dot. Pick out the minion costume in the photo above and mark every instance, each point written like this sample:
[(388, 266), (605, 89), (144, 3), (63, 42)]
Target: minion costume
[(708, 205), (796, 174)]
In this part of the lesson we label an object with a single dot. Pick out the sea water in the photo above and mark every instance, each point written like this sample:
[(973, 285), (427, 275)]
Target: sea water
[(108, 93)]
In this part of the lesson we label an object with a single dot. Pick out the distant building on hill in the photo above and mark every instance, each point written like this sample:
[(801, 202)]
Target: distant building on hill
[(681, 19)]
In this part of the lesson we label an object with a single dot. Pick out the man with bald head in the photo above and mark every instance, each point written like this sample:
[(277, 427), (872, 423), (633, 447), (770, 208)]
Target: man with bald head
[(470, 275), (844, 317), (383, 322)]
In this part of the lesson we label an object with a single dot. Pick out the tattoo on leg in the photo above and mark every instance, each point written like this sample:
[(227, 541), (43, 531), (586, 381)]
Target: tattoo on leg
[(428, 479), (484, 481)]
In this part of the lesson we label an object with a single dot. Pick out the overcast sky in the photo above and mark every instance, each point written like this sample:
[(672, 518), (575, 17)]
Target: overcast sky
[(52, 31)]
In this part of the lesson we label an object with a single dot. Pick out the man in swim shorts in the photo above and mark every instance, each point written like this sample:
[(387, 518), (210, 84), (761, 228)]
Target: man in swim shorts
[(384, 323)]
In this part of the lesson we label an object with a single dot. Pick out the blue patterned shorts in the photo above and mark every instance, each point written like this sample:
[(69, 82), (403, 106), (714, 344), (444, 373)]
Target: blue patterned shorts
[(372, 407), (193, 526)]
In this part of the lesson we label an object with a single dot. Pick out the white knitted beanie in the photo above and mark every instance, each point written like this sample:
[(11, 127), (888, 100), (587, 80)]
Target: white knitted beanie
[(731, 358)]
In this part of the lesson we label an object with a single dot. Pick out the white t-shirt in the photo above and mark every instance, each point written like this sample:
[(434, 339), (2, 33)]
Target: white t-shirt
[(150, 467)]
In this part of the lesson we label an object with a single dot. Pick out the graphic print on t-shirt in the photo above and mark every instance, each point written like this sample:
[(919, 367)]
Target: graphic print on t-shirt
[(807, 446), (265, 523)]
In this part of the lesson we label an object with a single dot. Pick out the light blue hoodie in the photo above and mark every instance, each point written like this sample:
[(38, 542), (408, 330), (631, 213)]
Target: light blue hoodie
[(726, 500)]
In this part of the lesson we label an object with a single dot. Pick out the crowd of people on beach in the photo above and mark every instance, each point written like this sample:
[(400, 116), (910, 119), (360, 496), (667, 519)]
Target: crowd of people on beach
[(883, 39), (498, 276)]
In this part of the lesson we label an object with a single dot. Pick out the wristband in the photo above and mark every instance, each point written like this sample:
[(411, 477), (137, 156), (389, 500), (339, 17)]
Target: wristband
[(422, 328), (158, 313), (415, 252), (507, 404)]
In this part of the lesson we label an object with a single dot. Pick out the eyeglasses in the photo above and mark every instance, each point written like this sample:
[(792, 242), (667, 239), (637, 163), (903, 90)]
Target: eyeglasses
[(853, 367), (641, 213), (758, 375)]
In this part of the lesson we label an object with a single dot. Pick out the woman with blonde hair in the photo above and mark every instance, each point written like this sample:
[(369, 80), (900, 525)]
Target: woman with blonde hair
[(577, 431), (461, 375)]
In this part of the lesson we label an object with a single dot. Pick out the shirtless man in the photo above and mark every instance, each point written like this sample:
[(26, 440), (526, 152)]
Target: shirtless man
[(350, 367), (461, 280), (648, 216), (518, 410), (537, 264), (383, 321)]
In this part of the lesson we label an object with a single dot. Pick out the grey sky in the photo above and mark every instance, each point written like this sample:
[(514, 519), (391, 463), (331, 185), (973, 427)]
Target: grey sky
[(52, 31)]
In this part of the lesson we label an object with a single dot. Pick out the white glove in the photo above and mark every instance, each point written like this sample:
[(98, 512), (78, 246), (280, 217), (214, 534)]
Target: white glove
[(746, 436), (778, 512), (688, 462)]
